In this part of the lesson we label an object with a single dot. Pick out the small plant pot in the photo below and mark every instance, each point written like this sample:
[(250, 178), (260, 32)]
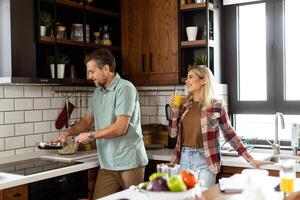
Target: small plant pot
[(60, 70), (43, 30)]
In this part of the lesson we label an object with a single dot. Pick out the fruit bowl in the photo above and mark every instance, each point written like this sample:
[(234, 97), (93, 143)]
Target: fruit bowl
[(167, 195)]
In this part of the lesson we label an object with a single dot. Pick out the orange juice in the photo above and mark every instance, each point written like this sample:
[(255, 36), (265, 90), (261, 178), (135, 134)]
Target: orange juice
[(287, 185), (177, 100)]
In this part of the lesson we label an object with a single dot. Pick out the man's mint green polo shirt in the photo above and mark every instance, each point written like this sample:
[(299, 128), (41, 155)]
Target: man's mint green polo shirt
[(126, 151)]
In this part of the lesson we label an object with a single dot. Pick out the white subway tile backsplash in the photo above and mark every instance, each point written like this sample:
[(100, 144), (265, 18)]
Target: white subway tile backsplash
[(1, 91), (25, 150), (24, 129), (6, 104), (32, 91), (7, 130), (50, 114), (41, 103), (149, 110), (31, 140), (2, 144), (161, 111), (13, 91), (23, 104), (14, 142), (145, 120), (14, 117), (162, 100), (144, 100), (153, 119), (50, 136), (4, 154), (33, 116), (42, 127), (47, 91), (1, 117), (57, 102), (153, 100)]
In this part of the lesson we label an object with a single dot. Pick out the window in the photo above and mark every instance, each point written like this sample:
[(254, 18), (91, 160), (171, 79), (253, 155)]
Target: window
[(292, 44), (252, 53), (261, 56)]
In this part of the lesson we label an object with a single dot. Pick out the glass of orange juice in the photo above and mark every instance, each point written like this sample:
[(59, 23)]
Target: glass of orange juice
[(287, 175), (178, 97)]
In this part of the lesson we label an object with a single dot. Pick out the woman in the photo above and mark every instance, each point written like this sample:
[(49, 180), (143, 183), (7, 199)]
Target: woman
[(197, 124)]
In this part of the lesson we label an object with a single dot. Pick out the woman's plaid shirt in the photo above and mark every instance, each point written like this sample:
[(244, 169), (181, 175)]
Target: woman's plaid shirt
[(213, 120)]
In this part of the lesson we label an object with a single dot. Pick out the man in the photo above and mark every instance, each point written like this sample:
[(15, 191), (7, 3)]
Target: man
[(115, 110)]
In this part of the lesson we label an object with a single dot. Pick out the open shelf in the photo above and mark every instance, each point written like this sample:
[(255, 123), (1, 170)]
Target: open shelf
[(50, 40), (88, 8), (70, 4), (196, 6), (102, 12)]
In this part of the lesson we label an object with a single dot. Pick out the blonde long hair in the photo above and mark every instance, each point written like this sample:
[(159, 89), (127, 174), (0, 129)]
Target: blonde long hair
[(204, 72)]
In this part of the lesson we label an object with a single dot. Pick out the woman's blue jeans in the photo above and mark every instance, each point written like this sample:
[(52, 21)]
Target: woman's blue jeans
[(194, 159)]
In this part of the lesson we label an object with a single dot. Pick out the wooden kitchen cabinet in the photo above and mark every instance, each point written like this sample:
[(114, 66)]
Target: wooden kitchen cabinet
[(150, 41), (16, 193)]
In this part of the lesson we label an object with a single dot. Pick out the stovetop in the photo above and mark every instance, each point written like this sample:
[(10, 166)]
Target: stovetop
[(33, 166)]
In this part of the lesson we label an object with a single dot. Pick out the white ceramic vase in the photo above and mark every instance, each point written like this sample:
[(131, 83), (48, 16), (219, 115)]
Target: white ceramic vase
[(43, 30), (60, 70), (191, 32)]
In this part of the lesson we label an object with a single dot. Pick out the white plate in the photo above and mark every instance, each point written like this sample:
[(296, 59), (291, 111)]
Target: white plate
[(188, 194)]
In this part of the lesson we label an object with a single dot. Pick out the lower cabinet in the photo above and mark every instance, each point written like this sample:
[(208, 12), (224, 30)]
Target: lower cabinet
[(78, 185), (15, 193)]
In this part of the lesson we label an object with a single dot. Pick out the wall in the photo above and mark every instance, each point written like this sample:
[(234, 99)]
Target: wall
[(28, 113)]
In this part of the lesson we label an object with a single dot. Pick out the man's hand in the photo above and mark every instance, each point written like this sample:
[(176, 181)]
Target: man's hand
[(83, 138), (61, 138)]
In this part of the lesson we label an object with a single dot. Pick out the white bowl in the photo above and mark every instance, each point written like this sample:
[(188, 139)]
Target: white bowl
[(188, 194)]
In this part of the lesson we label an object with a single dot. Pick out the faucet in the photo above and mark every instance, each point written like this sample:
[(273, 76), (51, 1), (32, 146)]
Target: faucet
[(276, 143)]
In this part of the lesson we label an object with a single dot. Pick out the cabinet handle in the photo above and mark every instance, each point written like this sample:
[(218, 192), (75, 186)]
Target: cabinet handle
[(143, 62), (151, 62), (17, 194)]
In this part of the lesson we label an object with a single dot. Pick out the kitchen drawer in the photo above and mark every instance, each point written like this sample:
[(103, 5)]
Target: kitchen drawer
[(1, 194), (16, 193)]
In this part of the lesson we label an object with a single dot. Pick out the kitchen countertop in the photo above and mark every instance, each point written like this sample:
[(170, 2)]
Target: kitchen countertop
[(233, 161), (8, 180), (90, 160)]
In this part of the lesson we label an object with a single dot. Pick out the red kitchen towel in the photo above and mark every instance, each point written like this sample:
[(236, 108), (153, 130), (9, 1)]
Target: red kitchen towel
[(63, 116)]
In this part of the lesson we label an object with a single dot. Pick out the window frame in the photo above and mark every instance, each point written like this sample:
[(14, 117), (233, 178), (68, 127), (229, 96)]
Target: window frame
[(275, 62)]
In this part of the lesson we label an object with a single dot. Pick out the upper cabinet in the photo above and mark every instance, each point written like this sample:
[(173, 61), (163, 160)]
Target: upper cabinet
[(68, 37), (45, 41), (150, 41), (200, 35)]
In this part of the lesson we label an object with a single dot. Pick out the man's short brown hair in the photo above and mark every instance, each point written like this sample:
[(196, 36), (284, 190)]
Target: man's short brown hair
[(102, 57)]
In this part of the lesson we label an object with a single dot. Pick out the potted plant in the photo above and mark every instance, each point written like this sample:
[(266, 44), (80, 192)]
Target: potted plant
[(201, 60), (61, 61), (46, 23)]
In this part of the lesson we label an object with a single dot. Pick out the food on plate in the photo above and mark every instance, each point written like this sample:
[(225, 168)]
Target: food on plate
[(176, 184), (157, 174), (158, 184), (189, 177), (70, 148)]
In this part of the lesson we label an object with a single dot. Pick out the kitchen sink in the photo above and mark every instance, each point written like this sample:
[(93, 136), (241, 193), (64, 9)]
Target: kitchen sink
[(277, 158)]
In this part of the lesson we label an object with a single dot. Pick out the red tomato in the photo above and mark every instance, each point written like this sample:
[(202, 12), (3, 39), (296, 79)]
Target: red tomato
[(189, 177)]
